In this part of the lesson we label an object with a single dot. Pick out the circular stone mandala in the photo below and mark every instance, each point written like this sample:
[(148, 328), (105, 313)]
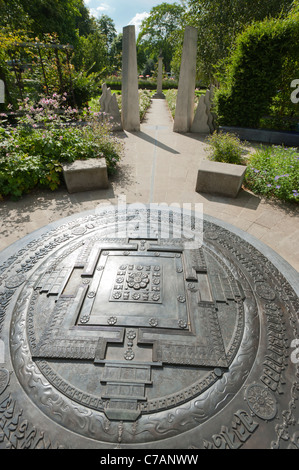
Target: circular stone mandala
[(137, 340)]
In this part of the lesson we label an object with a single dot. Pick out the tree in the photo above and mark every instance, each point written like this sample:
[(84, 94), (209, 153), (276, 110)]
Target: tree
[(219, 22), (260, 71), (158, 33), (66, 18), (107, 27), (116, 53)]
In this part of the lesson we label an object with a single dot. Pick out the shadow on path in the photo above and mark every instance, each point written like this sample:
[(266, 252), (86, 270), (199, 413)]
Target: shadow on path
[(153, 141)]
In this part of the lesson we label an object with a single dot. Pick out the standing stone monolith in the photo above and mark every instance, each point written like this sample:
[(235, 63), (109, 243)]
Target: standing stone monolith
[(159, 93), (109, 106), (2, 92), (184, 113), (200, 122), (130, 97)]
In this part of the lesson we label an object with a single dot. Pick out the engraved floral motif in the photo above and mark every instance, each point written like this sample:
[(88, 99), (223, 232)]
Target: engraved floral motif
[(131, 334), (261, 401), (129, 355), (155, 297), (117, 295), (182, 323), (265, 291), (135, 296), (137, 280), (84, 319), (153, 322), (112, 320)]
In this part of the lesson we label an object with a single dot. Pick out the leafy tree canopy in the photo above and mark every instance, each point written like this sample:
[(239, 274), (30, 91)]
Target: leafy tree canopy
[(66, 18), (219, 22), (158, 32)]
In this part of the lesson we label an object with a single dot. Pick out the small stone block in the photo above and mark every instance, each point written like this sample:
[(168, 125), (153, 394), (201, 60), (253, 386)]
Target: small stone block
[(224, 179), (85, 175)]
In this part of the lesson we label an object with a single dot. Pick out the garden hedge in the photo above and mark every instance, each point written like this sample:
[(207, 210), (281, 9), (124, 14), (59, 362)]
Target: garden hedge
[(264, 61)]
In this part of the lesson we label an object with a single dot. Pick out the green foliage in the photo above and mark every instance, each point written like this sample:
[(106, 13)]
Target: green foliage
[(144, 102), (219, 22), (171, 97), (225, 148), (32, 153), (274, 172), (85, 86), (63, 17), (30, 64), (158, 33), (257, 81)]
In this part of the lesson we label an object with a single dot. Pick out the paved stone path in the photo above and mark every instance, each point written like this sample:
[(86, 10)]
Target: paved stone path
[(159, 166)]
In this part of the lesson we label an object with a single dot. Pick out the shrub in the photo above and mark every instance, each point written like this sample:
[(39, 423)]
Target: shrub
[(226, 148), (48, 135), (257, 81), (274, 172), (171, 96), (144, 102)]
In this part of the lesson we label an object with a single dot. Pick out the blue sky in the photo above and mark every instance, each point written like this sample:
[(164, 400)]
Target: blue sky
[(124, 12)]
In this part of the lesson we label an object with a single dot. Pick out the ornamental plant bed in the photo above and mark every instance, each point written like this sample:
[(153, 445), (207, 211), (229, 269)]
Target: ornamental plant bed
[(32, 152)]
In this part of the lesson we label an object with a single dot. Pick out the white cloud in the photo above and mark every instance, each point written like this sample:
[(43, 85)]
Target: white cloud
[(137, 20), (97, 11), (103, 7)]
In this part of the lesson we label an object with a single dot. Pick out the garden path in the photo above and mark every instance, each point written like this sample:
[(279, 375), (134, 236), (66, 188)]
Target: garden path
[(159, 166)]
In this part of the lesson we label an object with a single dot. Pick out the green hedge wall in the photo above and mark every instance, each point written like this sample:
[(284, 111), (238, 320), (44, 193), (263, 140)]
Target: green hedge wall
[(256, 72)]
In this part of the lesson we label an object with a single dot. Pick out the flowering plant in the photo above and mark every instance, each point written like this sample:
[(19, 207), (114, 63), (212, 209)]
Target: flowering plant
[(49, 133), (274, 171)]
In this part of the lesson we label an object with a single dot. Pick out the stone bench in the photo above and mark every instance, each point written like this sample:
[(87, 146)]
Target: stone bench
[(85, 175), (224, 179)]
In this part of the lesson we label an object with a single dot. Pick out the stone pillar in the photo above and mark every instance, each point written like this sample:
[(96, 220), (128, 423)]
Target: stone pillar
[(159, 93), (2, 92), (184, 113), (200, 122), (130, 97), (109, 106)]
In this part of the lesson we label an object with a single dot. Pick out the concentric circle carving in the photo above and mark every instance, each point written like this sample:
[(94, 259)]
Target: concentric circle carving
[(171, 364)]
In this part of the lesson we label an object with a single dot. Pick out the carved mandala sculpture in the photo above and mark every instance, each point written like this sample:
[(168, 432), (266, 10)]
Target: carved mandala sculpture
[(148, 342)]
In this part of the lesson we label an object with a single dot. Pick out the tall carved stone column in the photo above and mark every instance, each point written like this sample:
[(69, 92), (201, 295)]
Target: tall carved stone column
[(130, 99), (184, 113)]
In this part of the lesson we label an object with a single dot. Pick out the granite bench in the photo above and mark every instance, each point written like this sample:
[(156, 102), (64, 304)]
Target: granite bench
[(224, 179), (85, 175)]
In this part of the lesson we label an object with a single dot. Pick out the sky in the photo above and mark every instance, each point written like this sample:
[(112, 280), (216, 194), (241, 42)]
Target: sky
[(124, 12)]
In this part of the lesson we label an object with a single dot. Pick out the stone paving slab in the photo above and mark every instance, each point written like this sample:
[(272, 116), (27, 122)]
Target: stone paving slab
[(159, 166)]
